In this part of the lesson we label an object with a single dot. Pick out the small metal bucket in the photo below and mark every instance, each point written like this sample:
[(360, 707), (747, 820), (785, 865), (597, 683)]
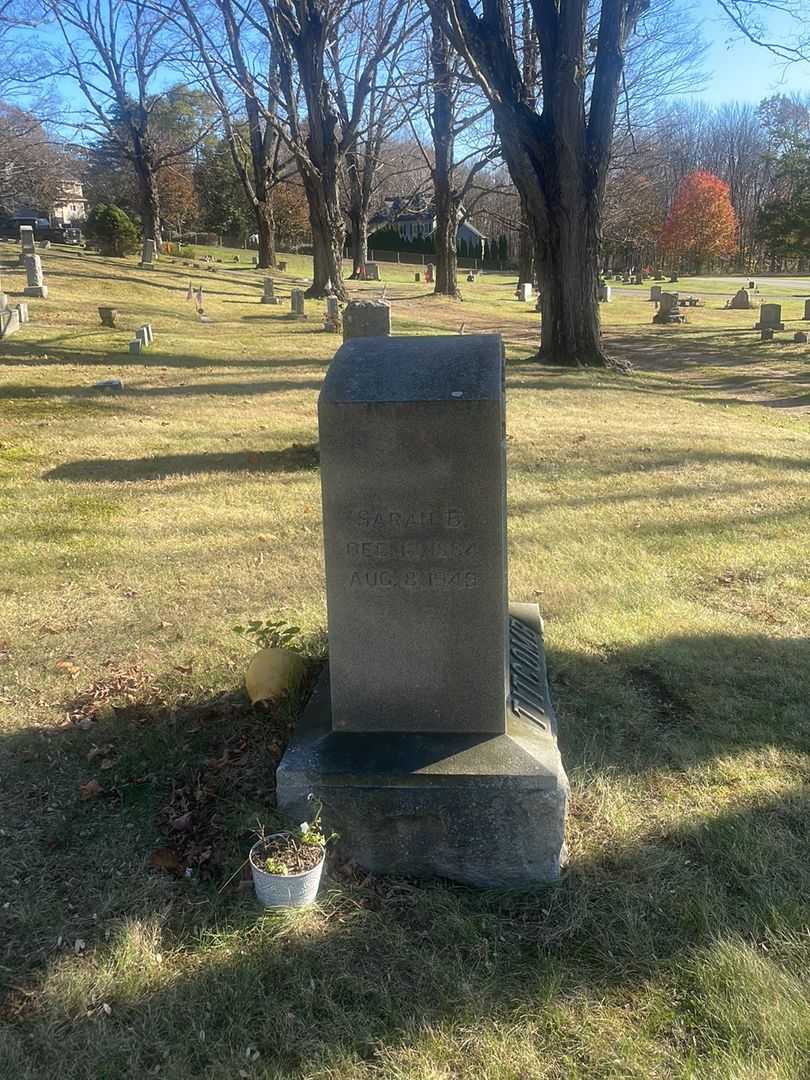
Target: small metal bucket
[(289, 890)]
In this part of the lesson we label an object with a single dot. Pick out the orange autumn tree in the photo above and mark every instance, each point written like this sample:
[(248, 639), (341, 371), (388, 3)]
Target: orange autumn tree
[(702, 222)]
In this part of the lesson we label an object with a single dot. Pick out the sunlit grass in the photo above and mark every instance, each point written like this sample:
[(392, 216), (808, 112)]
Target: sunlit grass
[(659, 519)]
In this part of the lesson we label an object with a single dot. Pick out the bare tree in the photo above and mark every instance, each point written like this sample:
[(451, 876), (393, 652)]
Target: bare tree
[(558, 154), (225, 58), (114, 52), (312, 70)]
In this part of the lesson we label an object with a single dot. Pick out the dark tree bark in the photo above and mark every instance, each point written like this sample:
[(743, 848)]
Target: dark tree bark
[(446, 201), (526, 248), (558, 157)]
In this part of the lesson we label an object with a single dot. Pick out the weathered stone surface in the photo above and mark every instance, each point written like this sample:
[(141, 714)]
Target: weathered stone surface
[(366, 318), (603, 293), (297, 304), (372, 271), (770, 317), (22, 312), (9, 322), (800, 337), (484, 811), (431, 743), (269, 296), (27, 245), (108, 316), (413, 473), (668, 309), (807, 309), (741, 300), (655, 293), (524, 292)]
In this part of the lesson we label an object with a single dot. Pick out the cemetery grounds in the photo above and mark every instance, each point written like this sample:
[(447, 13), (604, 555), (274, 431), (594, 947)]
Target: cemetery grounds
[(661, 521)]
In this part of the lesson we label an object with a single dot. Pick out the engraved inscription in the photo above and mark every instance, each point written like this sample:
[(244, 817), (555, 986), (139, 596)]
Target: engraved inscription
[(394, 556), (449, 517)]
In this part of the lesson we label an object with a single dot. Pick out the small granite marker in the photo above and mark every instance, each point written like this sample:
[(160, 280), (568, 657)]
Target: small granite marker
[(372, 271), (524, 291), (770, 317), (366, 318), (332, 320), (297, 304), (603, 293), (807, 309), (655, 294), (27, 245), (269, 295), (431, 741), (36, 286)]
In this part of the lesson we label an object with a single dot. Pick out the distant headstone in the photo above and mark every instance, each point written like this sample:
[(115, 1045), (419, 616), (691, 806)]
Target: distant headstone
[(655, 293), (142, 340), (429, 277), (282, 265), (741, 300), (800, 337), (673, 277), (9, 322), (603, 293), (332, 321), (36, 286), (430, 742), (108, 316), (148, 255), (44, 245), (22, 311), (752, 285), (669, 310), (417, 276), (269, 295), (770, 317), (372, 271), (766, 333), (638, 279), (366, 318), (524, 292), (27, 245), (807, 309), (297, 304)]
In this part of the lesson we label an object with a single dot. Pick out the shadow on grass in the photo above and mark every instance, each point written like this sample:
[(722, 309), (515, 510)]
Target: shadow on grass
[(387, 961), (291, 459)]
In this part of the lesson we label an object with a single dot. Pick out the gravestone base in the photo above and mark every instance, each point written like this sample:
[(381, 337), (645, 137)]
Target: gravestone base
[(37, 292), (483, 810), (146, 266), (270, 300)]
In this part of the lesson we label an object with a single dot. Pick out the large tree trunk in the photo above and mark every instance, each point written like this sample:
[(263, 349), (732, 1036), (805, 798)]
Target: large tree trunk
[(358, 239), (150, 198), (266, 229), (446, 244), (328, 234), (445, 201), (526, 267), (562, 214)]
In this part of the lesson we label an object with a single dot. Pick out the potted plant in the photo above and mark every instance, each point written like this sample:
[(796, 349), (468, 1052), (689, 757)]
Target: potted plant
[(287, 866)]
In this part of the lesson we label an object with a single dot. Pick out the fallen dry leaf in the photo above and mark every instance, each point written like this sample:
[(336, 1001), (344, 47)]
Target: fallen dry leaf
[(68, 666), (182, 823), (107, 763), (165, 859), (184, 669), (91, 790)]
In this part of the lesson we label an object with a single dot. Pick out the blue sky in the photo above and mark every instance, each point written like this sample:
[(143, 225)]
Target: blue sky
[(738, 70)]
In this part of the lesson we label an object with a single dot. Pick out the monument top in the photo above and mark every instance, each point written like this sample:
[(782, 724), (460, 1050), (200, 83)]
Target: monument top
[(448, 368)]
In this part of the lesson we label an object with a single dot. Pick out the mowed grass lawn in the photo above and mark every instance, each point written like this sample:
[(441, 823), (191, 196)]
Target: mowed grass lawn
[(662, 522)]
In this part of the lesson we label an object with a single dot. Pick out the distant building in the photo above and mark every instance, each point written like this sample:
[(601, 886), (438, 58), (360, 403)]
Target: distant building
[(414, 219), (70, 207)]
